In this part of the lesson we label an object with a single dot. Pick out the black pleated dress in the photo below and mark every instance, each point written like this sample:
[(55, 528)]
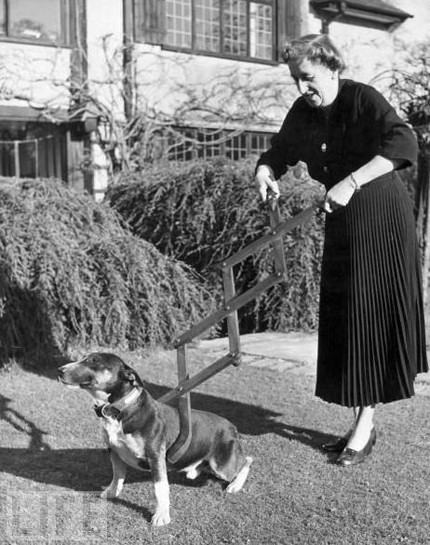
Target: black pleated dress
[(371, 342)]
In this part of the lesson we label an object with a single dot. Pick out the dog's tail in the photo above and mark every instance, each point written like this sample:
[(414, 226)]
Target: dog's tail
[(238, 482)]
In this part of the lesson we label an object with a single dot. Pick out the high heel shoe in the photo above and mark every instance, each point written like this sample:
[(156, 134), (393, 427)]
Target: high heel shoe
[(351, 457), (336, 446)]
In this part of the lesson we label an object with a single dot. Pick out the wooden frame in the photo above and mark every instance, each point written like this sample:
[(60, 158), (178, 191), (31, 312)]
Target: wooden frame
[(232, 302)]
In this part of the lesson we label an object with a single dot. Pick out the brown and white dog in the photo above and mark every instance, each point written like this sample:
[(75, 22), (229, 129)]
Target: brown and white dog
[(139, 431)]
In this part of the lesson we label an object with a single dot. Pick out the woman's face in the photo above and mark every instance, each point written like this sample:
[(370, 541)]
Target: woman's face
[(317, 84)]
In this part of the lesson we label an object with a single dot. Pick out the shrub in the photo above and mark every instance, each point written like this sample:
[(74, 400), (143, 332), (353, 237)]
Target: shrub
[(202, 212), (71, 273)]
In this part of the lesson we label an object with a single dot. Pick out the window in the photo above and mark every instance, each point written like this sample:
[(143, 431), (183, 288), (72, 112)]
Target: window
[(32, 150), (237, 146), (178, 15), (241, 29), (207, 30), (41, 21), (201, 143), (237, 28)]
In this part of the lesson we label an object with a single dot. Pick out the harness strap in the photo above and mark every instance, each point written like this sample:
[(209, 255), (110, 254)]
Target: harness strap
[(182, 443)]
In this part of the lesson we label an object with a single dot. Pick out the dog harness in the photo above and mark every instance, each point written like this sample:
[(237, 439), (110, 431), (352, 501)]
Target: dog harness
[(179, 447)]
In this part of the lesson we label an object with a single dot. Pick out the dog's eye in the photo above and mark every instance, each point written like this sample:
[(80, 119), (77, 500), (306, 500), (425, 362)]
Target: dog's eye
[(93, 360)]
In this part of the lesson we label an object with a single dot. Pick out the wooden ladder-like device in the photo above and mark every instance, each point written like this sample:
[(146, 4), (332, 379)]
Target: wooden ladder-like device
[(232, 302)]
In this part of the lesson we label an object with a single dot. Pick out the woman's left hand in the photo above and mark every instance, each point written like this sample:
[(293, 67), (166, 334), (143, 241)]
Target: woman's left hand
[(339, 195)]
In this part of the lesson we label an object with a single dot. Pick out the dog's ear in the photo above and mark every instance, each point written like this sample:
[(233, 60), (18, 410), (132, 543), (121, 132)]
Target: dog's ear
[(131, 376)]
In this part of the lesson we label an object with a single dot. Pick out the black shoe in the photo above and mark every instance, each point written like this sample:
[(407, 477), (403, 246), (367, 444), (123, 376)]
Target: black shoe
[(350, 457), (335, 446), (338, 445)]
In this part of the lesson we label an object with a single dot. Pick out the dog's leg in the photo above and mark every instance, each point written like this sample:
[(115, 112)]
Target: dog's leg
[(193, 471), (157, 464), (119, 471), (238, 482)]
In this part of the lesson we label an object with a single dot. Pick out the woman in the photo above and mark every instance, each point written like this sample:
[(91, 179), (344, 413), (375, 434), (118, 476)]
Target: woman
[(371, 328)]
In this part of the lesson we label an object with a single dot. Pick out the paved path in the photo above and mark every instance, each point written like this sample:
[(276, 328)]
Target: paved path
[(285, 352)]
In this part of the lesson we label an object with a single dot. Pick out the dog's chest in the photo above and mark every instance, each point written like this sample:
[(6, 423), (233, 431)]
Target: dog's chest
[(130, 448)]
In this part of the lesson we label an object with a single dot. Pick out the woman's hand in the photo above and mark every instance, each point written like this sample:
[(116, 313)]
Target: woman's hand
[(265, 180), (339, 195)]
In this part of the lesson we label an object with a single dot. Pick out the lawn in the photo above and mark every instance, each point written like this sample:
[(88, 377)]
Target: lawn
[(53, 466)]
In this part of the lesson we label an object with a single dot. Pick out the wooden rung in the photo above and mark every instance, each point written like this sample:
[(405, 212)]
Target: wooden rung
[(232, 319), (278, 245), (188, 384), (265, 240), (234, 304), (183, 376)]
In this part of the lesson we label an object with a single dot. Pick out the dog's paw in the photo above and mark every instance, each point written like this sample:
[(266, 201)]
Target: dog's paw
[(232, 488), (160, 518), (238, 482), (192, 474), (110, 493)]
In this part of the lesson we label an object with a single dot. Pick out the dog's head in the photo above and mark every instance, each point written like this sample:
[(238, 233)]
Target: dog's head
[(98, 372)]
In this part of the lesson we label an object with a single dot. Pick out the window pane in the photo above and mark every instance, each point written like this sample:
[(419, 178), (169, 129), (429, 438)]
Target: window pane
[(260, 142), (236, 147), (178, 23), (235, 27), (182, 148), (210, 144), (261, 31), (32, 20), (2, 18), (7, 159), (27, 159), (207, 25)]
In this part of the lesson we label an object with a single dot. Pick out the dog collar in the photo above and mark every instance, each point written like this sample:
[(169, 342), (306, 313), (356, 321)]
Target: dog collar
[(113, 410)]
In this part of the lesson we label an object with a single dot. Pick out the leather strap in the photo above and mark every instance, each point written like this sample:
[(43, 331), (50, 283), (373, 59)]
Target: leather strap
[(182, 443)]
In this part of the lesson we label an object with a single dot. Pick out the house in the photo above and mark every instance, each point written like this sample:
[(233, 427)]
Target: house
[(87, 85)]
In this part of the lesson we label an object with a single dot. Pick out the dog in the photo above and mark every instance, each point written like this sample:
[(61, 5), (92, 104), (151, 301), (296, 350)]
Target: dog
[(139, 431)]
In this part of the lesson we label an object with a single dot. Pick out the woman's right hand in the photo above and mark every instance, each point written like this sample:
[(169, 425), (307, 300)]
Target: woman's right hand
[(264, 181)]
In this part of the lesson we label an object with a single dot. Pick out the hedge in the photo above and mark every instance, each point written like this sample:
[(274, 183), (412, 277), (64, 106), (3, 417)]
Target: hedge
[(72, 274), (204, 211)]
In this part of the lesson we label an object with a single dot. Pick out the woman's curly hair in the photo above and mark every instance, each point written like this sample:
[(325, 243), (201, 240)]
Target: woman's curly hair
[(315, 47)]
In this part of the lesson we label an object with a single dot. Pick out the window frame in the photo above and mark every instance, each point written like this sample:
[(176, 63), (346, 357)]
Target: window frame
[(33, 149), (232, 144), (222, 54), (65, 27)]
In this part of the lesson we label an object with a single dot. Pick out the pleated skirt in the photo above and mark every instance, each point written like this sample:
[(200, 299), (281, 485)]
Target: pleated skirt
[(371, 323)]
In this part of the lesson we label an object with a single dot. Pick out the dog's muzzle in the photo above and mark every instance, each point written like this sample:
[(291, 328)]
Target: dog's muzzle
[(69, 378)]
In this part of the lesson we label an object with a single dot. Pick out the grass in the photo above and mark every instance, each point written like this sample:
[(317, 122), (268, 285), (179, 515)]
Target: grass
[(53, 466)]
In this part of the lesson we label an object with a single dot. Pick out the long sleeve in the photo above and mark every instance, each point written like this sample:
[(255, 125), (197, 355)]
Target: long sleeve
[(398, 142), (286, 144), (358, 125), (392, 137)]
